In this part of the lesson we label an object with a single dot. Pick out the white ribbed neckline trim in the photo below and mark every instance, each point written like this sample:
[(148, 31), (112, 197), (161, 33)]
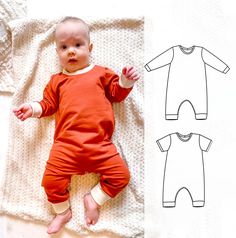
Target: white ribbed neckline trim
[(79, 71)]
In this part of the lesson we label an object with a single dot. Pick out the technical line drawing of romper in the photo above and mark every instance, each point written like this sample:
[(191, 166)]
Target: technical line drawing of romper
[(187, 78), (184, 167)]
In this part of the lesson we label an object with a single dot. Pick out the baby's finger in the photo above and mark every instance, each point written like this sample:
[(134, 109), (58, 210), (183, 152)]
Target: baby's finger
[(15, 109), (20, 116), (131, 70), (136, 78), (130, 73), (126, 70), (27, 114), (135, 75), (17, 113), (18, 109)]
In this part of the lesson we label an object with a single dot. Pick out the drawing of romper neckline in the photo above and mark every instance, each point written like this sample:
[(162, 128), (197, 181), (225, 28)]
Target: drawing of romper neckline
[(186, 50), (184, 138), (184, 167), (187, 78)]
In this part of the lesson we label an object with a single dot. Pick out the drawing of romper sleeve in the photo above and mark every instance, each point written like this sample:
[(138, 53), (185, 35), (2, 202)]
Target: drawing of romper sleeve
[(164, 143), (161, 60), (213, 61), (205, 143)]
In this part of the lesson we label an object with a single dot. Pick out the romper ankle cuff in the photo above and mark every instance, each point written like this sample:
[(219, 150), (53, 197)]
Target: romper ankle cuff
[(98, 195), (61, 207)]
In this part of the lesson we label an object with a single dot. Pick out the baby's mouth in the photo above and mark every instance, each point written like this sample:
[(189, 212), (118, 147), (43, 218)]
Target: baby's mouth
[(72, 60)]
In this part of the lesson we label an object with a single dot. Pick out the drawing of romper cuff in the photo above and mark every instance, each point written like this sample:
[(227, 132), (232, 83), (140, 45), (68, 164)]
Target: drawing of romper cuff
[(198, 116), (98, 195), (173, 203), (147, 68), (169, 204), (226, 70), (172, 116), (198, 203)]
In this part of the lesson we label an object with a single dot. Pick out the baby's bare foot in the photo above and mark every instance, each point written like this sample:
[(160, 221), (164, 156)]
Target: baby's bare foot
[(59, 221), (91, 209)]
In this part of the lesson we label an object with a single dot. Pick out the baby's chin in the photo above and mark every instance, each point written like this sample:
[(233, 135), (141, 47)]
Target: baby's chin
[(72, 66), (73, 69)]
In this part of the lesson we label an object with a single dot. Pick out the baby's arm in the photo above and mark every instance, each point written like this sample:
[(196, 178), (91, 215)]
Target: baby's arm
[(46, 107), (128, 77), (118, 88)]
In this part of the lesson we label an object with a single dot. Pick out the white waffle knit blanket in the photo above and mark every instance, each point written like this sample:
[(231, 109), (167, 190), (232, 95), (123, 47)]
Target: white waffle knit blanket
[(9, 10), (117, 42)]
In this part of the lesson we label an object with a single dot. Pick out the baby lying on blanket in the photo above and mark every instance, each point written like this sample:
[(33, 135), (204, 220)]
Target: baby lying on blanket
[(81, 96)]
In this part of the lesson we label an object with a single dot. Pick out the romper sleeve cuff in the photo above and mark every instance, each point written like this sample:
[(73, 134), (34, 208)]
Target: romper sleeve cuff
[(37, 109), (126, 83), (98, 195)]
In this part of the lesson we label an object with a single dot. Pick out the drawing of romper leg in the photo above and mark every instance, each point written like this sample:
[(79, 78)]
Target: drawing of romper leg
[(196, 186), (187, 87), (198, 102), (187, 175), (196, 190)]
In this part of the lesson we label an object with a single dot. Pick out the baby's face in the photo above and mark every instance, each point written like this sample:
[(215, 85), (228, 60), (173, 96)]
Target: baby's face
[(73, 45)]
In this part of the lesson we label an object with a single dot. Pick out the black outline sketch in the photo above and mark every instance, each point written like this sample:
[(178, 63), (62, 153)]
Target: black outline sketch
[(187, 78), (184, 167)]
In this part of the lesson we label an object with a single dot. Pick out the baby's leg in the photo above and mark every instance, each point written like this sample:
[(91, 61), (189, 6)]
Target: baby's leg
[(56, 188), (59, 221), (114, 178), (91, 209)]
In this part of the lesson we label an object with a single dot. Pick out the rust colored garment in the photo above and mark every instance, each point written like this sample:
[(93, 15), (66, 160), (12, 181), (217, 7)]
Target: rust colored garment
[(84, 126)]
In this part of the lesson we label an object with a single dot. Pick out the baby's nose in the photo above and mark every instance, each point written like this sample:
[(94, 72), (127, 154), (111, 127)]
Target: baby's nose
[(71, 51)]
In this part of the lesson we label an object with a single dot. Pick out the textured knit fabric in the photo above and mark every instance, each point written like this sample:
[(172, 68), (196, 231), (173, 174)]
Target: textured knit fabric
[(83, 131), (9, 10), (117, 43)]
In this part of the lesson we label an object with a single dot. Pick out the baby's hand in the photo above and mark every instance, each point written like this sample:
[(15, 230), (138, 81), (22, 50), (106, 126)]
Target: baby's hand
[(23, 112), (128, 77), (131, 73)]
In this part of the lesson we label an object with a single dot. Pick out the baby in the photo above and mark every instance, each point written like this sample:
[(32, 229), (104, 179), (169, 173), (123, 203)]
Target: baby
[(81, 96)]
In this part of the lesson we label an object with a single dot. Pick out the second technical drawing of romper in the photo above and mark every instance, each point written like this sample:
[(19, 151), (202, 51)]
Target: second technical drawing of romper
[(184, 167), (187, 80)]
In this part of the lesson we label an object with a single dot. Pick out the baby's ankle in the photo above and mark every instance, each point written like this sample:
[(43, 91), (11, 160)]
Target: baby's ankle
[(59, 221)]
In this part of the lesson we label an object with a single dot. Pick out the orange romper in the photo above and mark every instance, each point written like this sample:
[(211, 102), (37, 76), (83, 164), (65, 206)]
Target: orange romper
[(83, 131)]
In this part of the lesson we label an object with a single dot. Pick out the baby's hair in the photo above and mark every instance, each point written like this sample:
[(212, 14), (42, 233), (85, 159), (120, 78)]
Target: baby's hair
[(76, 19), (71, 18)]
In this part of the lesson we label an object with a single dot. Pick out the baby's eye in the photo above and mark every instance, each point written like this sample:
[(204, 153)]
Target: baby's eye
[(63, 47), (77, 45)]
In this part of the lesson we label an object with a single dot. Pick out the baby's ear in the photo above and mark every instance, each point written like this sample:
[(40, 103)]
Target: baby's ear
[(55, 46), (90, 47)]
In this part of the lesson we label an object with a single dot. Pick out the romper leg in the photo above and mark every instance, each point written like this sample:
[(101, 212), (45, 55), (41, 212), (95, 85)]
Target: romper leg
[(114, 178), (56, 186), (57, 177)]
